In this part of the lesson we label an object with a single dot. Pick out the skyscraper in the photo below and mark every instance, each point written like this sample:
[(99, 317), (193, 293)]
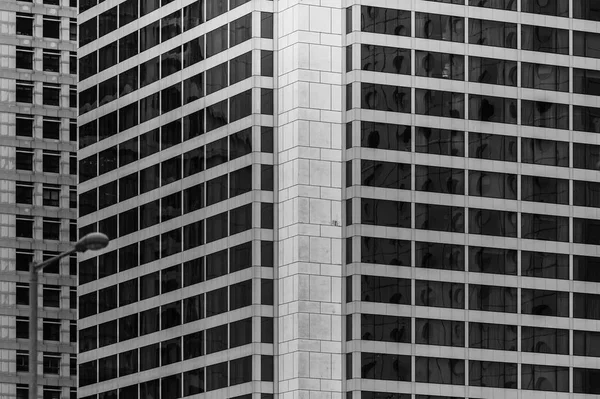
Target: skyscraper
[(339, 199), (39, 199)]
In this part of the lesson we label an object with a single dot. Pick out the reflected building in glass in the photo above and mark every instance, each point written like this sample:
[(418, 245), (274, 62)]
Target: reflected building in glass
[(38, 193), (339, 199)]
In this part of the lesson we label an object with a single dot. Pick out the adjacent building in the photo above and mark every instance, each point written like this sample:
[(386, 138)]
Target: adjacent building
[(339, 199), (38, 201)]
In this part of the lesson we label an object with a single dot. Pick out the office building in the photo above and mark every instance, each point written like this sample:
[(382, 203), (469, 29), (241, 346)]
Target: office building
[(38, 129), (340, 199)]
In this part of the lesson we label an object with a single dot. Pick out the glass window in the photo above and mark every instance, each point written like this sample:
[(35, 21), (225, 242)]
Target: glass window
[(493, 336), (546, 77), (440, 27), (546, 152), (492, 298), (559, 8), (216, 116), (544, 340), (240, 68), (545, 227), (545, 189), (493, 185), (385, 136), (492, 374), (216, 40), (385, 59), (149, 35), (439, 217), (385, 290), (385, 174), (544, 378), (545, 39), (437, 65), (492, 33), (439, 103), (386, 21), (149, 321), (170, 26), (585, 268), (586, 9), (385, 98), (385, 213), (240, 30), (544, 114), (493, 260), (545, 303), (439, 371), (492, 109), (385, 328), (439, 180), (493, 71), (439, 256), (440, 332), (383, 366)]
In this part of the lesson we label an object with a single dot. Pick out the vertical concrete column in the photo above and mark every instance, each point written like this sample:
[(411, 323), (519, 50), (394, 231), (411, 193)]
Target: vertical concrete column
[(309, 80)]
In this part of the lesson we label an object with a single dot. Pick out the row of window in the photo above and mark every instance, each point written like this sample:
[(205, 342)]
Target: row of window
[(49, 391), (481, 107), (165, 316), (50, 26), (169, 243), (485, 298), (443, 256), (51, 329), (582, 9), (24, 93), (51, 295), (497, 223), (51, 126), (216, 339), (207, 119), (383, 366), (51, 194), (481, 70), (25, 256), (480, 184), (437, 332), (217, 301), (24, 160), (196, 50), (51, 60), (388, 136), (194, 271), (165, 100), (481, 31), (204, 379), (51, 363), (51, 228)]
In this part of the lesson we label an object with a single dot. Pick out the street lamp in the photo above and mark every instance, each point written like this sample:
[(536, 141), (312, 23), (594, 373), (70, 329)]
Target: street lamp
[(93, 242)]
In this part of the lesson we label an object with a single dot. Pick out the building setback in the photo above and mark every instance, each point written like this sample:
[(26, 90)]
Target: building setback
[(328, 199), (38, 200)]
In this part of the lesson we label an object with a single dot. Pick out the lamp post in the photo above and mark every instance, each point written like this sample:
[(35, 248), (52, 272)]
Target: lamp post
[(92, 241)]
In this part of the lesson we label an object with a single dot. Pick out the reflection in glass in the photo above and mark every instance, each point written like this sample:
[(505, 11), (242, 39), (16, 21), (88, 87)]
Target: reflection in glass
[(440, 27), (544, 39), (439, 103), (493, 336), (493, 185), (440, 141), (493, 71), (440, 65), (385, 59), (384, 20), (545, 77), (492, 33)]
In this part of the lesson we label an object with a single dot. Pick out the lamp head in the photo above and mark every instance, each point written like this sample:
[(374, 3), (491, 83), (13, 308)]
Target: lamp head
[(92, 241)]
